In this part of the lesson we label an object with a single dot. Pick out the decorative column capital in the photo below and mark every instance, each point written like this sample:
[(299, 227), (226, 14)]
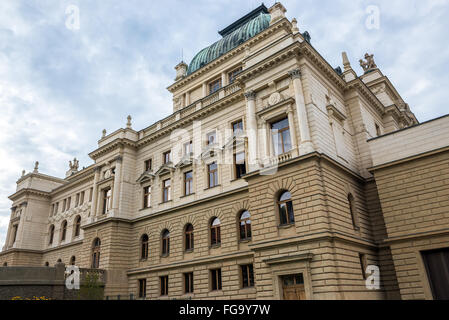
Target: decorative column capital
[(250, 95), (295, 74), (119, 159)]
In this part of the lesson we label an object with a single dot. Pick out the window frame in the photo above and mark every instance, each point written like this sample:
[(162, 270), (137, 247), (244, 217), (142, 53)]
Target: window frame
[(216, 283), (188, 183), (165, 243), (77, 227), (281, 137), (214, 85), (250, 281), (189, 238), (288, 218), (212, 174), (166, 191), (233, 73), (163, 280), (166, 157), (148, 165), (146, 197), (188, 283), (246, 227), (63, 230), (215, 232), (142, 286), (144, 247), (239, 173)]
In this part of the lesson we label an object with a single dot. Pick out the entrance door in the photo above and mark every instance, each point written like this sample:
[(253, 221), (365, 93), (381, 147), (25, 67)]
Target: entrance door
[(437, 265), (293, 287)]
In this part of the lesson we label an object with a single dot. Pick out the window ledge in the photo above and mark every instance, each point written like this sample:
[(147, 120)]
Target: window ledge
[(215, 246), (165, 202), (286, 226), (210, 188), (188, 251), (165, 255), (187, 195), (245, 240)]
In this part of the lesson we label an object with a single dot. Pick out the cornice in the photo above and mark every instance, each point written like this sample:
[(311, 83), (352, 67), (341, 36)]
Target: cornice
[(27, 192), (115, 144), (361, 87)]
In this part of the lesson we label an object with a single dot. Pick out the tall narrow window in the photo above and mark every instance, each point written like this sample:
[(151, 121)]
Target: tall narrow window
[(188, 149), (166, 190), (51, 234), (215, 275), (280, 132), (63, 230), (233, 74), (64, 204), (237, 128), (245, 225), (165, 242), (285, 207), (69, 200), (77, 226), (352, 211), (77, 200), (148, 165), (188, 282), (107, 193), (247, 276), (72, 260), (188, 183), (14, 236), (142, 288), (189, 237), (147, 197), (213, 174), (144, 247), (215, 234), (96, 253), (164, 285), (91, 193), (240, 164), (56, 207), (214, 86), (82, 198), (167, 157)]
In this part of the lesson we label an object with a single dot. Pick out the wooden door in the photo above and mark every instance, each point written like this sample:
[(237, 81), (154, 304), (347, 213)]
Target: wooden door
[(293, 287)]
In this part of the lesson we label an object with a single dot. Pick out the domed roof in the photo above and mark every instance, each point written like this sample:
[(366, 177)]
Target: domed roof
[(230, 41)]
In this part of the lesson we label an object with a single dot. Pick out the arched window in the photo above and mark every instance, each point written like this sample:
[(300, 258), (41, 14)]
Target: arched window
[(189, 237), (59, 261), (63, 230), (215, 235), (5, 264), (285, 206), (245, 225), (352, 211), (77, 226), (72, 260), (96, 253), (144, 247), (47, 264), (51, 234), (165, 242)]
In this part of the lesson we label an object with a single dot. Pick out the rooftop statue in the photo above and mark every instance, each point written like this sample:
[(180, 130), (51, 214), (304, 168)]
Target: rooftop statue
[(369, 64)]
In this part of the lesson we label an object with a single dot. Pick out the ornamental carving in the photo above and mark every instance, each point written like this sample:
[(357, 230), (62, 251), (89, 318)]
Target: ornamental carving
[(275, 98)]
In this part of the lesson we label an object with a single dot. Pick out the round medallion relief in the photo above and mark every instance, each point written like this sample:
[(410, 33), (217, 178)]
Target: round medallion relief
[(274, 98)]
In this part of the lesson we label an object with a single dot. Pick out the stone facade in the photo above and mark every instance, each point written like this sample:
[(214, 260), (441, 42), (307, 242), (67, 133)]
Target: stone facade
[(340, 194)]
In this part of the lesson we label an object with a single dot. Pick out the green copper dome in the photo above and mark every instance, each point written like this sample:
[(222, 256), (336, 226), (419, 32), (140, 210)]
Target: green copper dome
[(230, 41)]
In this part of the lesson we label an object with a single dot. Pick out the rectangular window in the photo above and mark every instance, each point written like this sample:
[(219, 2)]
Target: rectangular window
[(82, 198), (142, 288), (164, 285), (233, 74), (52, 211), (147, 165), (106, 200), (188, 282), (237, 128), (91, 193), (211, 138), (215, 278), (213, 174), (188, 183), (64, 203), (280, 132), (166, 190), (147, 197), (14, 233), (247, 276), (167, 157), (77, 200), (240, 165), (188, 149), (69, 200), (214, 86), (56, 208)]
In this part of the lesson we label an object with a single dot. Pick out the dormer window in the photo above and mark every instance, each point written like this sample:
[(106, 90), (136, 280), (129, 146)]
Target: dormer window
[(214, 86)]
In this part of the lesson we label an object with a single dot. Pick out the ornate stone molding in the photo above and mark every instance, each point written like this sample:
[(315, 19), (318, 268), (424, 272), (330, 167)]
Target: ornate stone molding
[(250, 95), (295, 74)]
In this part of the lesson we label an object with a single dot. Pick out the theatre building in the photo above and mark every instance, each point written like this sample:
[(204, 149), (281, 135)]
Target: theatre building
[(277, 176)]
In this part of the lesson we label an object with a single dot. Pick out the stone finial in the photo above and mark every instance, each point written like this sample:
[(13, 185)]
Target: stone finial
[(23, 173), (128, 123), (346, 63), (369, 64), (181, 70), (295, 28), (277, 12), (36, 167), (103, 135)]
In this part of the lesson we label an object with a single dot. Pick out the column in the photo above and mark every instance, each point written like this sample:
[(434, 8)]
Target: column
[(293, 134), (94, 204), (251, 130), (117, 185), (187, 99), (305, 145)]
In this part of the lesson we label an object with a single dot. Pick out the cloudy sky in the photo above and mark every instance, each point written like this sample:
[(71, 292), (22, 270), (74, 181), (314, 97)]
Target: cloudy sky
[(61, 86)]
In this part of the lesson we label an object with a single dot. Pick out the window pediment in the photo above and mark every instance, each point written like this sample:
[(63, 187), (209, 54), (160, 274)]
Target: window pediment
[(165, 169), (145, 177)]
